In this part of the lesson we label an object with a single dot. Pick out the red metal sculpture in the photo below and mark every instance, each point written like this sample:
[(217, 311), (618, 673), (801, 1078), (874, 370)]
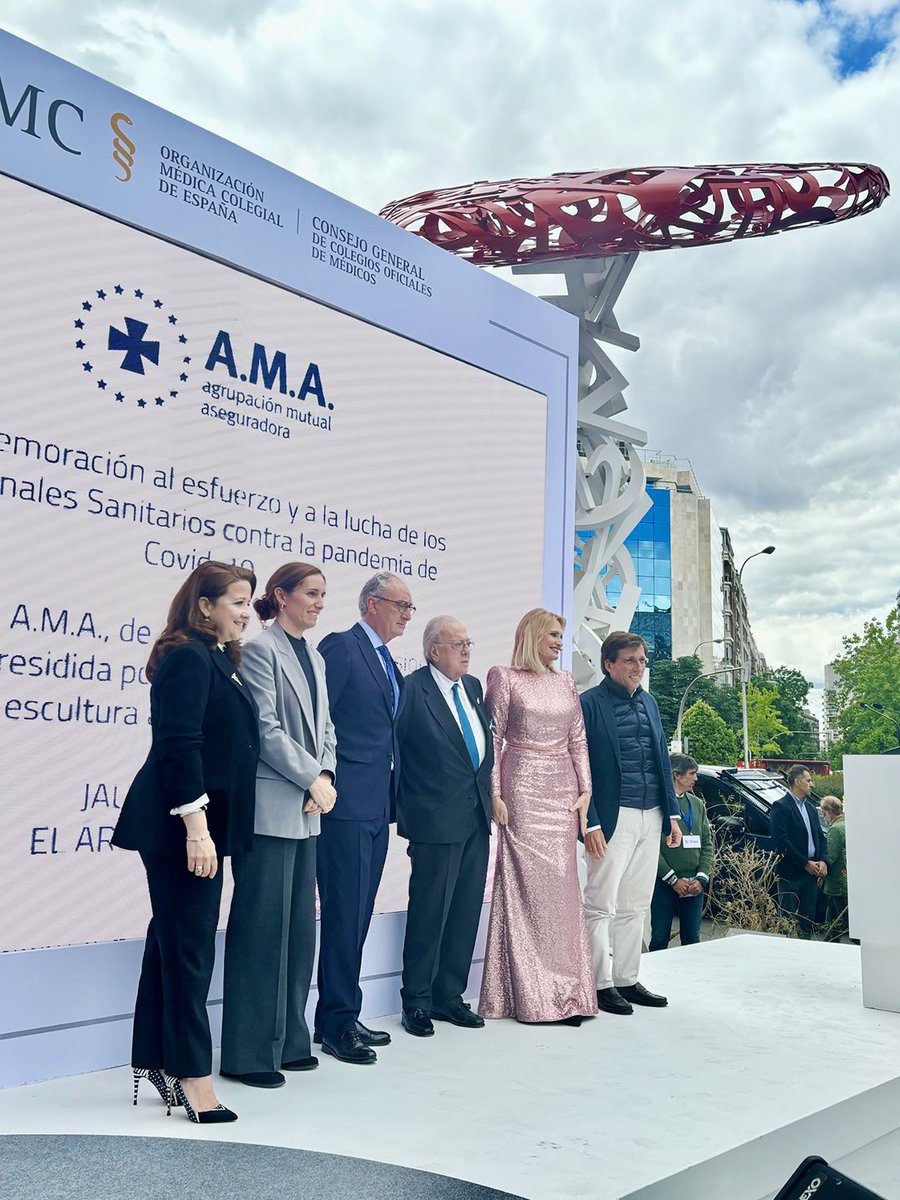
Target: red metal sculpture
[(592, 214)]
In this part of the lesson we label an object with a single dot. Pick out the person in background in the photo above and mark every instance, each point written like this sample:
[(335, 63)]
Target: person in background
[(632, 807), (835, 884), (270, 944), (684, 871), (190, 804), (537, 963), (444, 808), (803, 855), (365, 692)]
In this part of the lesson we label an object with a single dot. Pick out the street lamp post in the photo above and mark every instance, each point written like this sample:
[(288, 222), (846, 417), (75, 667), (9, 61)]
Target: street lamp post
[(708, 642), (676, 741), (745, 666)]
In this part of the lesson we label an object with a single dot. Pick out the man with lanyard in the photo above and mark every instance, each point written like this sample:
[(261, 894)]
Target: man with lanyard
[(800, 842), (684, 870)]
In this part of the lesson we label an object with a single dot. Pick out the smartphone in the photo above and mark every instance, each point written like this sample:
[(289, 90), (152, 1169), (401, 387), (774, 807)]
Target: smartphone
[(815, 1180)]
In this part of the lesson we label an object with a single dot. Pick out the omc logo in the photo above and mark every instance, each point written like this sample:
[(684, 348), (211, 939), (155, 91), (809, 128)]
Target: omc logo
[(123, 147), (129, 346), (31, 111)]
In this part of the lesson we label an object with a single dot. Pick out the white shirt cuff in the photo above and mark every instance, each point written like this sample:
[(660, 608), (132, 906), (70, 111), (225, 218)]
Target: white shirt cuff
[(593, 828), (702, 876), (194, 806)]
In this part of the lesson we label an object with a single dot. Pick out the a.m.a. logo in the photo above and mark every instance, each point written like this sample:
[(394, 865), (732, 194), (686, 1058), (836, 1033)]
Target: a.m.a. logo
[(129, 345), (267, 369), (29, 109)]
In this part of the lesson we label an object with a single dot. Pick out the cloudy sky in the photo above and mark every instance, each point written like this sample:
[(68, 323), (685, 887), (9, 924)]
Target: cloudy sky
[(773, 365)]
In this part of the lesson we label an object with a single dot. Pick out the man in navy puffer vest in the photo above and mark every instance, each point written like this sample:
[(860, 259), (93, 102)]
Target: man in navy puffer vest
[(632, 797)]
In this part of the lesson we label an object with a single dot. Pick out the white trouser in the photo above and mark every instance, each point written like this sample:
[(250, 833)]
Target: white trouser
[(617, 895)]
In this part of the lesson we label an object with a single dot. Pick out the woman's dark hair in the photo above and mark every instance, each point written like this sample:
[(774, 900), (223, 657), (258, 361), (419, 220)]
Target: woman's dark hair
[(287, 577), (185, 620)]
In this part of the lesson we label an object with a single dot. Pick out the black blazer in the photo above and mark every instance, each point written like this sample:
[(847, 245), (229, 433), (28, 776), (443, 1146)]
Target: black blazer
[(205, 739), (362, 710), (791, 842), (439, 786), (605, 757)]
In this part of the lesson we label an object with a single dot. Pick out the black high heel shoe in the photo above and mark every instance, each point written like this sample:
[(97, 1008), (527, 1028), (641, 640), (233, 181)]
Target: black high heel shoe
[(156, 1078), (209, 1116)]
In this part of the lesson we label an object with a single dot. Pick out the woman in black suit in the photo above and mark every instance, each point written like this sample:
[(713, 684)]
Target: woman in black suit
[(190, 804)]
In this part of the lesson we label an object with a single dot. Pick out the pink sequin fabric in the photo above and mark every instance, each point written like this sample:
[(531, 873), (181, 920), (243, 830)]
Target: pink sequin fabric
[(537, 964)]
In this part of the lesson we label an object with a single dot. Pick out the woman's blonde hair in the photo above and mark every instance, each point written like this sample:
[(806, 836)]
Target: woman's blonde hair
[(529, 632), (833, 804)]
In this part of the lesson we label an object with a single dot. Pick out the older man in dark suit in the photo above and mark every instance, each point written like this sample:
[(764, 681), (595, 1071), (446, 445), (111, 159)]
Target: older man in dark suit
[(633, 801), (803, 852), (444, 808), (365, 694)]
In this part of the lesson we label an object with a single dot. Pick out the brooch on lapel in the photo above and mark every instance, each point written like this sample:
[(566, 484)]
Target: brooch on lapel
[(234, 676)]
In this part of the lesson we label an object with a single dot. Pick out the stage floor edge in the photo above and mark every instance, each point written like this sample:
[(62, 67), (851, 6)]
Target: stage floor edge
[(764, 1055)]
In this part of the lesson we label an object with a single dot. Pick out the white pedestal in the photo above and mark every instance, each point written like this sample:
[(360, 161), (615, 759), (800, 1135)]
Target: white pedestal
[(872, 791)]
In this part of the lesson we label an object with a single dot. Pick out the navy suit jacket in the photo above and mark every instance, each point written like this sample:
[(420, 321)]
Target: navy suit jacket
[(606, 763), (361, 703), (440, 787), (790, 838)]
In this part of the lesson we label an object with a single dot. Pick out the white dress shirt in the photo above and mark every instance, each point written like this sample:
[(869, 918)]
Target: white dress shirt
[(446, 688), (376, 641)]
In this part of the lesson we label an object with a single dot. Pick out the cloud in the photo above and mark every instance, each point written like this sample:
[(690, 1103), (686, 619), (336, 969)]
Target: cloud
[(771, 364)]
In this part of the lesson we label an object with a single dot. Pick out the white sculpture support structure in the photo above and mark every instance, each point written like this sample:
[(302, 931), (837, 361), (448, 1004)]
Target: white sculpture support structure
[(610, 496)]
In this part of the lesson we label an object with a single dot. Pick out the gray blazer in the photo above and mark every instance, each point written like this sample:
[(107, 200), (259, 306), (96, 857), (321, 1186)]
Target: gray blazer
[(292, 753)]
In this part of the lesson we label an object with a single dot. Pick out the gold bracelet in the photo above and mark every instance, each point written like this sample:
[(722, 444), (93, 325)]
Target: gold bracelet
[(201, 838)]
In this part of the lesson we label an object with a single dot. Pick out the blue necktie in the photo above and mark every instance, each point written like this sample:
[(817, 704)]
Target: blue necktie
[(391, 674), (468, 735)]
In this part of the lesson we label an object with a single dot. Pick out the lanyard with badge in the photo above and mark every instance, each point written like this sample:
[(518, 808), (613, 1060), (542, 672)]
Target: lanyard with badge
[(689, 840)]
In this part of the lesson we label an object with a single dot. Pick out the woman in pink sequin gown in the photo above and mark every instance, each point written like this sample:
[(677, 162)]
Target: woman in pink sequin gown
[(537, 965)]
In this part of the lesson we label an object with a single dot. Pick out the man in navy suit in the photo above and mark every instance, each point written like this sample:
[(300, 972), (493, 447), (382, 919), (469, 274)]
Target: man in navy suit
[(633, 799), (800, 842), (444, 808), (365, 694)]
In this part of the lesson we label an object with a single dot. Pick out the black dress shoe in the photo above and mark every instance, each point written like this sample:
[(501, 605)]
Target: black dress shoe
[(260, 1079), (417, 1022), (372, 1037), (638, 994), (350, 1048), (301, 1064), (458, 1013), (609, 1000)]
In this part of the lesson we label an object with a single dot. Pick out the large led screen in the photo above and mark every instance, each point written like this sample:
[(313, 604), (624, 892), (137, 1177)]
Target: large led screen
[(160, 408)]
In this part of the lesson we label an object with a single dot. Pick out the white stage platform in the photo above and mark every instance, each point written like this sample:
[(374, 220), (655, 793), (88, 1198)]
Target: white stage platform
[(764, 1055)]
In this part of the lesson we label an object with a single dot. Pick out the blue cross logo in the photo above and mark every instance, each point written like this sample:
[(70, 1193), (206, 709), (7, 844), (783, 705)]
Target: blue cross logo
[(136, 349)]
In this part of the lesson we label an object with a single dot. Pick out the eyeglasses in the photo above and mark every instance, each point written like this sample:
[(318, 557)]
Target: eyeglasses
[(459, 646), (403, 605)]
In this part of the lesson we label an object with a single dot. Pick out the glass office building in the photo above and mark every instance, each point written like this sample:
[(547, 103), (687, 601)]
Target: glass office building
[(677, 554), (650, 547)]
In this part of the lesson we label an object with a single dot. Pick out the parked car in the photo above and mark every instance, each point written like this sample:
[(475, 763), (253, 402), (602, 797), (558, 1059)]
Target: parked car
[(739, 802)]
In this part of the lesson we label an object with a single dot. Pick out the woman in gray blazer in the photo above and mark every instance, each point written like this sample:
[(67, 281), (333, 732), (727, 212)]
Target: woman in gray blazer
[(271, 937)]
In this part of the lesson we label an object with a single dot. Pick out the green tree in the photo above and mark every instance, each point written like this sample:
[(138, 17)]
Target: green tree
[(792, 689), (868, 672), (709, 738), (764, 726), (670, 678)]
